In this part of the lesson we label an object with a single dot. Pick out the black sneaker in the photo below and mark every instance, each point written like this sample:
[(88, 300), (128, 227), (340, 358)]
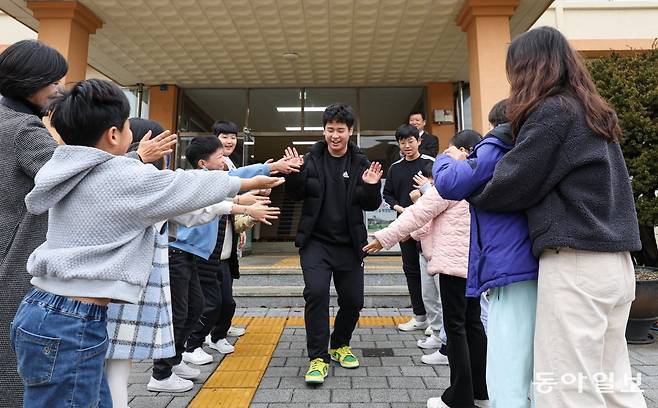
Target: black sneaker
[(442, 350)]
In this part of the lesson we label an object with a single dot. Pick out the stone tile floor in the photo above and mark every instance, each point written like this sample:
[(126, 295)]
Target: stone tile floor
[(397, 381)]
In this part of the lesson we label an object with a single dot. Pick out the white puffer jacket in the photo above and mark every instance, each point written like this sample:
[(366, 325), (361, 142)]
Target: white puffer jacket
[(443, 228)]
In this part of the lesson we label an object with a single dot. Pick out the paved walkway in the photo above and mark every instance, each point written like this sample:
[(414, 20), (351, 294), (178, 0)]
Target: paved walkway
[(267, 367)]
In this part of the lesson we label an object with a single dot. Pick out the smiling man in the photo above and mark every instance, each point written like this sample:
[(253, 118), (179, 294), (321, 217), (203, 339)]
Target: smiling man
[(399, 183), (337, 183)]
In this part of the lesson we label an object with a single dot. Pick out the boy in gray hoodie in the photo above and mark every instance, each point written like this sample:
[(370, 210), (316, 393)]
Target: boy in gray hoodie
[(99, 245)]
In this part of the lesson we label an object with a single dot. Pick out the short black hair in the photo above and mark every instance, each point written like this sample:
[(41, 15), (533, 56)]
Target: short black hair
[(200, 148), (406, 131), (340, 113), (28, 66), (224, 126), (418, 112), (427, 169), (140, 127), (466, 138), (498, 114), (84, 113)]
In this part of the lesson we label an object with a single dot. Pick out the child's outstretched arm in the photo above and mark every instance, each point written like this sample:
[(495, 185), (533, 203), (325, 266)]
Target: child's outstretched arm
[(413, 218), (458, 179)]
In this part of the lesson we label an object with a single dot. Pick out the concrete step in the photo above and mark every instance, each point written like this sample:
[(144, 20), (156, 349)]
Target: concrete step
[(292, 277), (292, 296)]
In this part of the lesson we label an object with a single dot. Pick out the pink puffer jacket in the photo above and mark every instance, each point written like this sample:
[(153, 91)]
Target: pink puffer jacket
[(443, 228)]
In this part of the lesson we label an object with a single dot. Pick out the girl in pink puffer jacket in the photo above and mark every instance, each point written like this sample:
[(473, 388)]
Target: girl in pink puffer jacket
[(443, 228)]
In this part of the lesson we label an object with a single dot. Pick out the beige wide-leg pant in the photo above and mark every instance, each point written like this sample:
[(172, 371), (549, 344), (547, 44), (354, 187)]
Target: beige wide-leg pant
[(581, 357)]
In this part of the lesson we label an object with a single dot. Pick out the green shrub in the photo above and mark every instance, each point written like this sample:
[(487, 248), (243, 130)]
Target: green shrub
[(630, 84)]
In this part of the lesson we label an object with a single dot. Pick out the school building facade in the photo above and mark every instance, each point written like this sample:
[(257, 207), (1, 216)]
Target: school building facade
[(271, 66)]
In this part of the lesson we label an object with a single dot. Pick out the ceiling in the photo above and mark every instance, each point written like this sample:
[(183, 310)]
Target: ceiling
[(236, 43)]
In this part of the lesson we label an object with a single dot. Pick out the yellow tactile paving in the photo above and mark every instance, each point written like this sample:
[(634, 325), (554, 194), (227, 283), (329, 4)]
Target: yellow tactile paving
[(400, 319), (223, 398), (244, 349), (299, 321), (370, 321), (234, 362), (268, 321), (241, 321), (287, 262), (256, 338), (234, 382), (234, 379), (295, 321)]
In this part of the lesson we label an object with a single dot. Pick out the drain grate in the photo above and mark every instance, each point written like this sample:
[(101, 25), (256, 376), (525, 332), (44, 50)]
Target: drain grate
[(377, 352)]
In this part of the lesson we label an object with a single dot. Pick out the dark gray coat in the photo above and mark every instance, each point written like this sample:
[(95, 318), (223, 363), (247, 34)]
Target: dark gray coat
[(573, 184), (25, 146)]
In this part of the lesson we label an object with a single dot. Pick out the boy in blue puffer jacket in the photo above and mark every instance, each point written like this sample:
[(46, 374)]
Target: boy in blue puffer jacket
[(500, 260)]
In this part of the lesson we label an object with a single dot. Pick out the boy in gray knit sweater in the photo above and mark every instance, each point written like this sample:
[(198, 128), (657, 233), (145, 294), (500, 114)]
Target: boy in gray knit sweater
[(99, 245)]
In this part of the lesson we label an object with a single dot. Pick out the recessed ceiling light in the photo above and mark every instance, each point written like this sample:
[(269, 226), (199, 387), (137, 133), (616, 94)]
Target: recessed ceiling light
[(290, 56)]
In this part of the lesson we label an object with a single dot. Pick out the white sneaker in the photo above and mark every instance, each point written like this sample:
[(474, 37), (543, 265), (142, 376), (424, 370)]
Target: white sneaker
[(172, 384), (429, 331), (184, 371), (436, 403), (222, 346), (431, 342), (198, 357), (413, 324), (483, 403), (435, 358), (236, 331)]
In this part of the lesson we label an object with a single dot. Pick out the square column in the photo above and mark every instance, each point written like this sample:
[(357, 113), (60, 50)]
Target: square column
[(440, 95), (486, 23), (66, 26)]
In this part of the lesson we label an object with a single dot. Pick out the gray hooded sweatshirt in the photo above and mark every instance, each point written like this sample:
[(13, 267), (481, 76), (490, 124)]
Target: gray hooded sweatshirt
[(101, 212)]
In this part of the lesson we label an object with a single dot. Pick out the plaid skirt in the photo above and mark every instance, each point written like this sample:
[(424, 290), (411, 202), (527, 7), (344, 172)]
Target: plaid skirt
[(145, 330)]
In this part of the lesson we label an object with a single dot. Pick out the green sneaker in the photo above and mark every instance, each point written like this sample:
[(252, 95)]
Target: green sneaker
[(345, 357), (317, 371)]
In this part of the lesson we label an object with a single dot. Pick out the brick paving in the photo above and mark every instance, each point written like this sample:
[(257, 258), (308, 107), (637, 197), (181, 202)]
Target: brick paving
[(398, 381)]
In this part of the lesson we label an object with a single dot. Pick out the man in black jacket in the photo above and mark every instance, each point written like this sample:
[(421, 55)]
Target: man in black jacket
[(337, 183), (429, 144)]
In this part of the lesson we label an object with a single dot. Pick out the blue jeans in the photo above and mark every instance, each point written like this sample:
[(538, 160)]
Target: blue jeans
[(60, 346)]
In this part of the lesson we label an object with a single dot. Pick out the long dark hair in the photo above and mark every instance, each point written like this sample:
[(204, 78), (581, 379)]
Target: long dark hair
[(541, 63)]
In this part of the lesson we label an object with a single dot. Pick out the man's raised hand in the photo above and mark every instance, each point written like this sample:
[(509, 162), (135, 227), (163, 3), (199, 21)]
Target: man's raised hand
[(373, 174)]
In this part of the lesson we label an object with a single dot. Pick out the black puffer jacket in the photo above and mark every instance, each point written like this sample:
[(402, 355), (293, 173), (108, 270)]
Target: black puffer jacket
[(308, 185)]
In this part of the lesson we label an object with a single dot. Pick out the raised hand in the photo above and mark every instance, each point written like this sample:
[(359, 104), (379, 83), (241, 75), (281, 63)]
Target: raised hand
[(292, 154), (373, 173), (262, 213), (420, 180), (374, 246), (455, 153), (153, 149), (285, 165)]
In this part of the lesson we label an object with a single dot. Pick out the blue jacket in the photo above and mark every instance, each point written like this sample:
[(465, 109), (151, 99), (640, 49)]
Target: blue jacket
[(500, 249), (200, 240)]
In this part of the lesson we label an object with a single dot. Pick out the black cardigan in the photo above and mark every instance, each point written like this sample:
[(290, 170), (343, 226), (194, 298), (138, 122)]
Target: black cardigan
[(573, 184), (308, 185)]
